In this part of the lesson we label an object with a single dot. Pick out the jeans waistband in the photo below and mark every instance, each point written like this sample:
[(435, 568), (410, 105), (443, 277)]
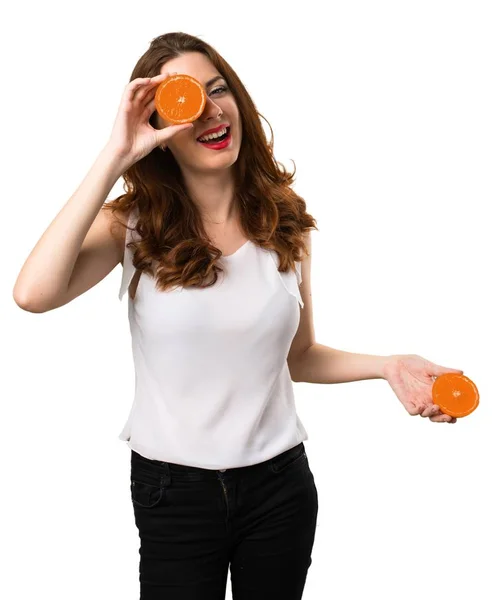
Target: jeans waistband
[(201, 473)]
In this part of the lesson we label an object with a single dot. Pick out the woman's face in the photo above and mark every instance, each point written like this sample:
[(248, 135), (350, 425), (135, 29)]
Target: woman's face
[(188, 152)]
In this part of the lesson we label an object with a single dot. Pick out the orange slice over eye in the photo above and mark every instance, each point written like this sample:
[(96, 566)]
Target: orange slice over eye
[(180, 99), (456, 394)]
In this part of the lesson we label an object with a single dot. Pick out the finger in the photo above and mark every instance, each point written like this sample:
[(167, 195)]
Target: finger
[(131, 89), (134, 85), (157, 79), (448, 419), (149, 87), (139, 87), (441, 418), (430, 410), (146, 95), (437, 419), (150, 107), (150, 92), (168, 132), (137, 82)]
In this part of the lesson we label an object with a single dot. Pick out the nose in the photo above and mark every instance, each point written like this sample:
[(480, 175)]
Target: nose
[(211, 110)]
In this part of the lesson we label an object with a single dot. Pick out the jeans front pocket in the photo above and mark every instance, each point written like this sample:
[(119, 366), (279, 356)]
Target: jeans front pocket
[(145, 494), (149, 480), (293, 457)]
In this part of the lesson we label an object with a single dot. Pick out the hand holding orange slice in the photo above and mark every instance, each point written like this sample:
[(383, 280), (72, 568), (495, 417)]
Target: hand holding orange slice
[(456, 394), (180, 99)]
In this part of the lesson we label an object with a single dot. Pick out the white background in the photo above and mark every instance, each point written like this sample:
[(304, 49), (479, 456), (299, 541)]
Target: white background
[(390, 111)]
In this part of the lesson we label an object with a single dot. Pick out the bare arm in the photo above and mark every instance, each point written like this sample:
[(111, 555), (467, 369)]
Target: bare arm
[(77, 250)]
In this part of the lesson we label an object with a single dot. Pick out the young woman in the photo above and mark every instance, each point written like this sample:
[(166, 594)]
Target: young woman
[(216, 252), (211, 243)]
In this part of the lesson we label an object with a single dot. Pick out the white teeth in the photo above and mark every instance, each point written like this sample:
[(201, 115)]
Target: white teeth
[(213, 136)]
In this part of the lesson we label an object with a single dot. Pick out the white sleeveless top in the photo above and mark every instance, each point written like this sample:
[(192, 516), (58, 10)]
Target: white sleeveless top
[(212, 384)]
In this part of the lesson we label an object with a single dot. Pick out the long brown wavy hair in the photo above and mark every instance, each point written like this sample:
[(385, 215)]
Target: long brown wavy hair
[(169, 224)]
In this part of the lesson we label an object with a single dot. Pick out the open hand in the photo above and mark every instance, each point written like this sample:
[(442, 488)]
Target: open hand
[(411, 377)]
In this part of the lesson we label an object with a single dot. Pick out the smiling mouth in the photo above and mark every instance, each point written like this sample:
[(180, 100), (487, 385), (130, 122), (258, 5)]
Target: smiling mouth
[(218, 139)]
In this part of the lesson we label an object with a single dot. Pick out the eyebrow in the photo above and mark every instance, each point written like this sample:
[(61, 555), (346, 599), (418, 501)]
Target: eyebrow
[(208, 83)]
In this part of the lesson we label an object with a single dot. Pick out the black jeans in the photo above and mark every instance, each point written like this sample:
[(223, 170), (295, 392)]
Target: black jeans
[(194, 523)]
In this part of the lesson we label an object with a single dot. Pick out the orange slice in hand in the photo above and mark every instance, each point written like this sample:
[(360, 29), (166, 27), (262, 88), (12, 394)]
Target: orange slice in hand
[(180, 99), (456, 394)]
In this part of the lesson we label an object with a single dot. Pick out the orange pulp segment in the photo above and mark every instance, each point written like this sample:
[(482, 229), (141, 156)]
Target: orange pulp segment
[(456, 394), (180, 99)]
